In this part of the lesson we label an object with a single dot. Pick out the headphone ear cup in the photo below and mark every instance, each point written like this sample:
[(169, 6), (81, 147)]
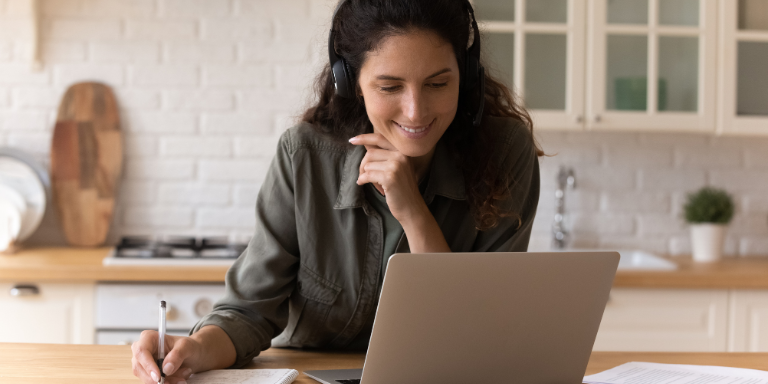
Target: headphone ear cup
[(340, 78)]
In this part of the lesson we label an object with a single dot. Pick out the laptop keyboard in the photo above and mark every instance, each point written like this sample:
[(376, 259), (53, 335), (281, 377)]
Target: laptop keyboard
[(351, 381)]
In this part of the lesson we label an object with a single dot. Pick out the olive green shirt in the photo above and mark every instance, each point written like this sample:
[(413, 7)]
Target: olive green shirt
[(310, 275)]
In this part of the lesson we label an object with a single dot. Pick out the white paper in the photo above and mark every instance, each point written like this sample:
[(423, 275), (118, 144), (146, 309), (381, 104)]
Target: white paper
[(655, 373), (245, 376)]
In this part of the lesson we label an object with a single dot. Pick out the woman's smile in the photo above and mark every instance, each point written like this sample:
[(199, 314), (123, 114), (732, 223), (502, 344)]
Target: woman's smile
[(414, 132)]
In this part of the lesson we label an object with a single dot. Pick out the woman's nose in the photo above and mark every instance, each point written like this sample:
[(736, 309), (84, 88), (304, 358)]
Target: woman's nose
[(414, 105)]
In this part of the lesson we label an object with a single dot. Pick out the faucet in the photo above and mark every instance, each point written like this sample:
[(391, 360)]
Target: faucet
[(565, 180)]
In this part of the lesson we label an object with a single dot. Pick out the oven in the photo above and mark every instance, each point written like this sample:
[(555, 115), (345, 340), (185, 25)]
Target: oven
[(124, 310)]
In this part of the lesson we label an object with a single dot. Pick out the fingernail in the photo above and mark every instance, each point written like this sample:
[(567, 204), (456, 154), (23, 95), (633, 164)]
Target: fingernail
[(352, 140), (154, 375), (187, 372), (168, 369), (181, 382)]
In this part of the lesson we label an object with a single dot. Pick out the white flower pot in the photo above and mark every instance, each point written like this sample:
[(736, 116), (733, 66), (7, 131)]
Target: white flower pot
[(707, 240)]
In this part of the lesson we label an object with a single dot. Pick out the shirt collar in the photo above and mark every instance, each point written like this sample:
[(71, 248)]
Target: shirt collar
[(445, 178)]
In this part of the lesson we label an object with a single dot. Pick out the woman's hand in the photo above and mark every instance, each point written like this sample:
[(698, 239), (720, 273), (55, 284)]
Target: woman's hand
[(179, 363), (393, 175)]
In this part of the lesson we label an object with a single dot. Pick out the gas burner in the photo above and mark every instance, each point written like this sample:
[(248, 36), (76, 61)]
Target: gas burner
[(178, 247)]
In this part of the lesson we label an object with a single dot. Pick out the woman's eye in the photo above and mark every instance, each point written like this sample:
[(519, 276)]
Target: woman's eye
[(388, 89), (438, 85)]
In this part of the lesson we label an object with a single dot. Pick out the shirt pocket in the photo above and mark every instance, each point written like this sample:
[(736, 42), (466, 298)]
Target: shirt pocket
[(316, 296)]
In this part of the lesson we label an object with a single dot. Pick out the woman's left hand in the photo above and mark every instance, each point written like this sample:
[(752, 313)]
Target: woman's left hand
[(393, 175)]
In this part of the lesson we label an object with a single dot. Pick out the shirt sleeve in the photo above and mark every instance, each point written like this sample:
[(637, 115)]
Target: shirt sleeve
[(512, 234), (254, 308)]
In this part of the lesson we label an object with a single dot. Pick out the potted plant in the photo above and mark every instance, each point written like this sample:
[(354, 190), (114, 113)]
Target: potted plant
[(708, 211)]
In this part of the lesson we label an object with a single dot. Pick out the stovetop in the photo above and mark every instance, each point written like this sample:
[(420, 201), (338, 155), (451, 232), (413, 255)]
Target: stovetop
[(175, 250)]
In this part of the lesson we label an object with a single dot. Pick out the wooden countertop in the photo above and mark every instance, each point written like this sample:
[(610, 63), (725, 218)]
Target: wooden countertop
[(70, 364), (66, 264)]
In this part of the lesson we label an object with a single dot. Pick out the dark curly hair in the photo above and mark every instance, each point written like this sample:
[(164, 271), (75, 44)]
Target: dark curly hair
[(360, 26)]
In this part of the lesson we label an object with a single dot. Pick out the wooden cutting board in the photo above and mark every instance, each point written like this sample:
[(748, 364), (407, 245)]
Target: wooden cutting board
[(86, 161)]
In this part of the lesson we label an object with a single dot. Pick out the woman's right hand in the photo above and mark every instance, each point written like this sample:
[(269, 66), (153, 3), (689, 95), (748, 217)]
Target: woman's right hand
[(181, 358)]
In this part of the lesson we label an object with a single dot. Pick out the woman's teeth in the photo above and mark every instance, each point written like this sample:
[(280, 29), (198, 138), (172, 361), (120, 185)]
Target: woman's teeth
[(413, 130)]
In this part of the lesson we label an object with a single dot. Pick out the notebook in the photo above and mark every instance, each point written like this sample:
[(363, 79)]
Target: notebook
[(245, 376)]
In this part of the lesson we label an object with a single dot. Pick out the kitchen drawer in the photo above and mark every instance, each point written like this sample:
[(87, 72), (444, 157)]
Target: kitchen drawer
[(46, 313), (664, 320), (748, 325), (136, 306)]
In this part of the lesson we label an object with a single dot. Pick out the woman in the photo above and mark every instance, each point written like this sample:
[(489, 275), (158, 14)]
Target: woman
[(389, 160)]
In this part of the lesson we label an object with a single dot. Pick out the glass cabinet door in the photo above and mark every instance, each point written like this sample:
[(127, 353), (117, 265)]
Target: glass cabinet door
[(537, 48), (744, 72), (651, 65)]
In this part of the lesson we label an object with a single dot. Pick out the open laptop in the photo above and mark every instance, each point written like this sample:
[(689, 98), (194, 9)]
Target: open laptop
[(485, 318)]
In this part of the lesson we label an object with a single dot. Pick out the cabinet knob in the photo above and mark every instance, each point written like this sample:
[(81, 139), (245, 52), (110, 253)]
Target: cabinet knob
[(171, 314), (598, 118), (24, 290), (203, 307), (579, 119)]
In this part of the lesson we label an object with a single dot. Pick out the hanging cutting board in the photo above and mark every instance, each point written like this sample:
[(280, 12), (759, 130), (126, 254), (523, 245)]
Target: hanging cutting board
[(86, 160)]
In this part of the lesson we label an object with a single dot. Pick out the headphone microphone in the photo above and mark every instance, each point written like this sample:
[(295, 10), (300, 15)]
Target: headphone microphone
[(472, 76)]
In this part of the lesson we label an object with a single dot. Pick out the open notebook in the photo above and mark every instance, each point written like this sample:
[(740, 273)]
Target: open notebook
[(245, 376)]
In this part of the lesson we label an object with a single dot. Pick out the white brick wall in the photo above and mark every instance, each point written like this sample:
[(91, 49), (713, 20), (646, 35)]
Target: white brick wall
[(205, 88), (631, 189)]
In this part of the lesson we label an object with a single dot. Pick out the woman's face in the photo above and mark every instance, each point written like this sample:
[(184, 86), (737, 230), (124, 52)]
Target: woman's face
[(410, 85)]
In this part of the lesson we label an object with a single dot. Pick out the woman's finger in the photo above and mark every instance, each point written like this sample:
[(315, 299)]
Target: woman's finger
[(383, 166), (373, 139), (181, 376), (182, 349), (377, 177), (377, 154), (138, 371), (144, 352)]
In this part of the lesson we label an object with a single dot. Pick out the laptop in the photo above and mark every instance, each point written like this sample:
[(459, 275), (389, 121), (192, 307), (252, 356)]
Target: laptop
[(485, 318)]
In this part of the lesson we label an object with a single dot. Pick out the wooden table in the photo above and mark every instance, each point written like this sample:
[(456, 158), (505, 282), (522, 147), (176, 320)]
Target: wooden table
[(70, 364)]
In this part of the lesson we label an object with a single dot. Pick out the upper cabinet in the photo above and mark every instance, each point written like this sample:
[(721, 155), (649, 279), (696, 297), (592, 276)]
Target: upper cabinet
[(641, 65), (744, 66), (651, 65), (538, 46)]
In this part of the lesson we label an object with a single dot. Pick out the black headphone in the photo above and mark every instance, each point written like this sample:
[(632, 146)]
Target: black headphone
[(472, 76)]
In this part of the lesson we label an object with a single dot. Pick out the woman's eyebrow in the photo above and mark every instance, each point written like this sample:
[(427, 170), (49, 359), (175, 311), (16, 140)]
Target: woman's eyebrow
[(387, 77)]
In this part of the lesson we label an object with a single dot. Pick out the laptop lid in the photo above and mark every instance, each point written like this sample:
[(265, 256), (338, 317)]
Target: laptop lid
[(488, 317)]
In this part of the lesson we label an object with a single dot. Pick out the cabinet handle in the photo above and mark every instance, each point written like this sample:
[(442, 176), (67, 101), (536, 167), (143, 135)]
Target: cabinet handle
[(579, 119), (24, 290), (598, 118)]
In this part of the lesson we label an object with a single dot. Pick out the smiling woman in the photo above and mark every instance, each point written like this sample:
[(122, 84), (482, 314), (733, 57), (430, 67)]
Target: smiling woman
[(410, 147)]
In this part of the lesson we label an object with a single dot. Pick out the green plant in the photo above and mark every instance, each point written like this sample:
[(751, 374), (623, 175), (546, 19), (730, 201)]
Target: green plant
[(709, 205)]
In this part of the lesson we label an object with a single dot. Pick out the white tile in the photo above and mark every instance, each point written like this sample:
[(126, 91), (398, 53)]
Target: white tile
[(195, 147), (233, 170), (194, 194)]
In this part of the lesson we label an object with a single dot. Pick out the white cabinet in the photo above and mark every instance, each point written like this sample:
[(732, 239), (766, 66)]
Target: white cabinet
[(748, 330), (46, 313), (664, 320), (743, 69), (641, 65), (651, 65), (538, 47)]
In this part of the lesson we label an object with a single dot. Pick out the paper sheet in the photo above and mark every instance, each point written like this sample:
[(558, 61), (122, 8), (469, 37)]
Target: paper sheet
[(654, 373), (243, 376)]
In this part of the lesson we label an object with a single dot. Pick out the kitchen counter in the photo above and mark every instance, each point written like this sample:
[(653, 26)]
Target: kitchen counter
[(65, 264), (69, 364)]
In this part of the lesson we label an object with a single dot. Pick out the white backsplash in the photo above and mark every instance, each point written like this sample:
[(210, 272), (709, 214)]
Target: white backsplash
[(207, 86)]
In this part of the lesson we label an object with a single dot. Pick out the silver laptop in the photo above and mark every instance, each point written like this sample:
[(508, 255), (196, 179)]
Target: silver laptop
[(485, 318)]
